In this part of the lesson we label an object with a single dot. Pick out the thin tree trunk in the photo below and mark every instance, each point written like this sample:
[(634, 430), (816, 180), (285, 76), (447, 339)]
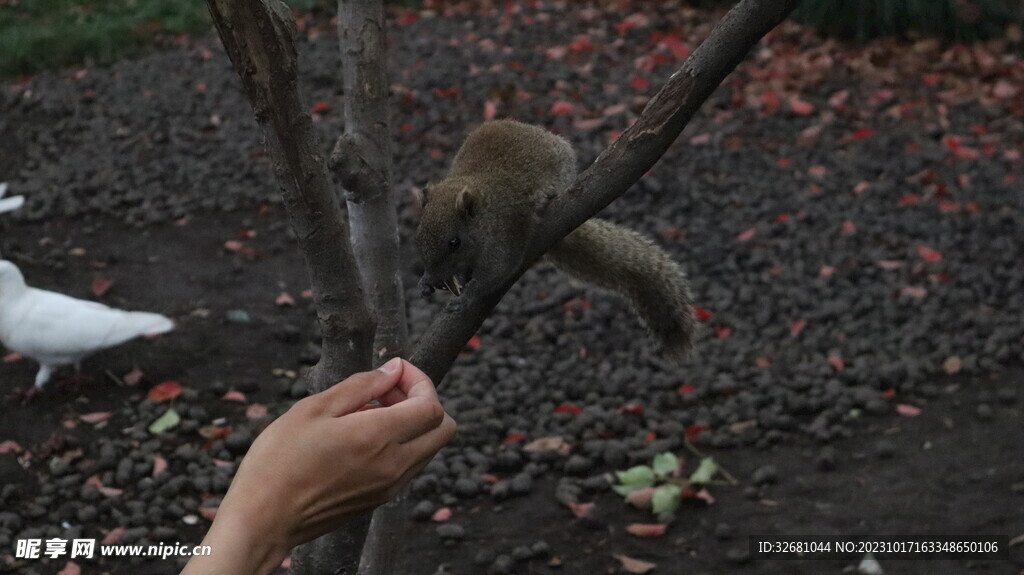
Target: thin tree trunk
[(362, 164), (259, 38)]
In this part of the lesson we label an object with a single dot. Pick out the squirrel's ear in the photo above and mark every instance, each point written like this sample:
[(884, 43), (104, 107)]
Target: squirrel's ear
[(464, 202)]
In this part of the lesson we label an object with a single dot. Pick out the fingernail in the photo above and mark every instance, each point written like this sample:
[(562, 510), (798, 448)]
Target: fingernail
[(391, 366)]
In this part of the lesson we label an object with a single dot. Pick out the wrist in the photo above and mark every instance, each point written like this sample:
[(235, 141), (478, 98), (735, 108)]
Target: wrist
[(242, 542)]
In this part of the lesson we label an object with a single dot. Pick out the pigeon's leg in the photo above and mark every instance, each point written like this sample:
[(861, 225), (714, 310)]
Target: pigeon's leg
[(42, 377)]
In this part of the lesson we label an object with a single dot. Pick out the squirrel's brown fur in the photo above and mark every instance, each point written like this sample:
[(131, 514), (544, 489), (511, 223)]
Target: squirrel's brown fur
[(477, 223)]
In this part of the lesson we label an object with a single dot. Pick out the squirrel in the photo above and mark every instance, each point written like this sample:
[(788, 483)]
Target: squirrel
[(477, 222)]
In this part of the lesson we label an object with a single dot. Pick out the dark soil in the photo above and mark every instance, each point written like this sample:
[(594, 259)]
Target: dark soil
[(830, 302)]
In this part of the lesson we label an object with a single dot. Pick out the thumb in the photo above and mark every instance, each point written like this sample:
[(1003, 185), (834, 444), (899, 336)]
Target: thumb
[(359, 389)]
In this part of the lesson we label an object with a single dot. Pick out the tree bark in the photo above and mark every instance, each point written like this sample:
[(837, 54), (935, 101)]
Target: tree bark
[(614, 171), (259, 38), (362, 164)]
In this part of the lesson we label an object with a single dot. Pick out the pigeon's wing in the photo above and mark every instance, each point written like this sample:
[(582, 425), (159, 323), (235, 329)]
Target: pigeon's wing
[(61, 329), (12, 203)]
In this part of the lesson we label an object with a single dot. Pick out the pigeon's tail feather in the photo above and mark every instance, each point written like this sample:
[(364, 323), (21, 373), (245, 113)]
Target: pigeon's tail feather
[(145, 323), (12, 203)]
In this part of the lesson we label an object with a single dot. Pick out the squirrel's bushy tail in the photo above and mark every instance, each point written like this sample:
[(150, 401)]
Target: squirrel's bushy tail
[(623, 261)]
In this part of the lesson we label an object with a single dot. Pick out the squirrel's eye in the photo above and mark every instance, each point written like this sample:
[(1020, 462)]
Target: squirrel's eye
[(454, 243)]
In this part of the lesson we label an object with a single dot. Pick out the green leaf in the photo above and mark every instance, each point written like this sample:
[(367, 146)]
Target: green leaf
[(665, 464), (666, 498), (639, 476), (625, 490), (239, 316), (707, 469), (169, 420)]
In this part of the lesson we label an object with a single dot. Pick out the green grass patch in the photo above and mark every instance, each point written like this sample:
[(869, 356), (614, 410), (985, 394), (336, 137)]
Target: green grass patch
[(44, 34)]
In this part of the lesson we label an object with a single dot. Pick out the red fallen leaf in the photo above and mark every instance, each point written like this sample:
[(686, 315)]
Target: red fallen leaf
[(568, 408), (784, 162), (285, 299), (110, 491), (256, 411), (703, 315), (796, 327), (693, 431), (159, 465), (862, 134), (490, 109), (321, 107), (700, 140), (639, 84), (10, 446), (747, 235), (848, 228), (836, 363), (641, 498), (581, 43), (650, 437), (889, 264), (908, 200), (769, 103), (515, 438), (633, 408), (234, 246), (165, 391), (931, 80), (826, 271), (686, 389), (562, 108), (214, 432), (705, 496), (101, 285), (489, 478), (441, 515), (95, 417), (222, 463), (12, 357), (800, 107), (634, 565), (889, 393), (113, 536), (208, 513), (817, 171), (133, 377), (234, 395), (556, 53), (580, 510), (908, 410), (473, 343), (646, 529), (929, 255), (782, 218), (307, 294), (838, 100), (861, 187), (914, 292), (1004, 90), (676, 47), (722, 332)]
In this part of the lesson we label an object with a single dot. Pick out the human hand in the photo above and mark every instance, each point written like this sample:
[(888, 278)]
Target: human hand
[(324, 461)]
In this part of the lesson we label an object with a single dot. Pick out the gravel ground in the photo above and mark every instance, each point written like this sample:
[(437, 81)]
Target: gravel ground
[(851, 220)]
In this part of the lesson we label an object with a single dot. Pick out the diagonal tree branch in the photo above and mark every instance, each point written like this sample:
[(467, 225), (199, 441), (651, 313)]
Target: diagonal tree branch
[(614, 171)]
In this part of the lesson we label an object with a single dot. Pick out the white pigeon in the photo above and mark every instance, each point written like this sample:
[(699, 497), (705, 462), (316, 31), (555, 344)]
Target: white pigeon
[(58, 330), (9, 204)]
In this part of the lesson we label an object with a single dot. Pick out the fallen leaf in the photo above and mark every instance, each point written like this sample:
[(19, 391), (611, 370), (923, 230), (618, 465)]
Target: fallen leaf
[(747, 235), (133, 377), (641, 498), (96, 417), (800, 107), (10, 446), (321, 107), (256, 411), (474, 343), (914, 292), (796, 327), (234, 395), (836, 363), (441, 515), (70, 568), (165, 391), (113, 536), (562, 108), (580, 510), (553, 443), (686, 389), (169, 420), (908, 410), (646, 529), (159, 465), (208, 513), (702, 314), (929, 255), (568, 408), (634, 565), (285, 299), (100, 286), (953, 364)]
